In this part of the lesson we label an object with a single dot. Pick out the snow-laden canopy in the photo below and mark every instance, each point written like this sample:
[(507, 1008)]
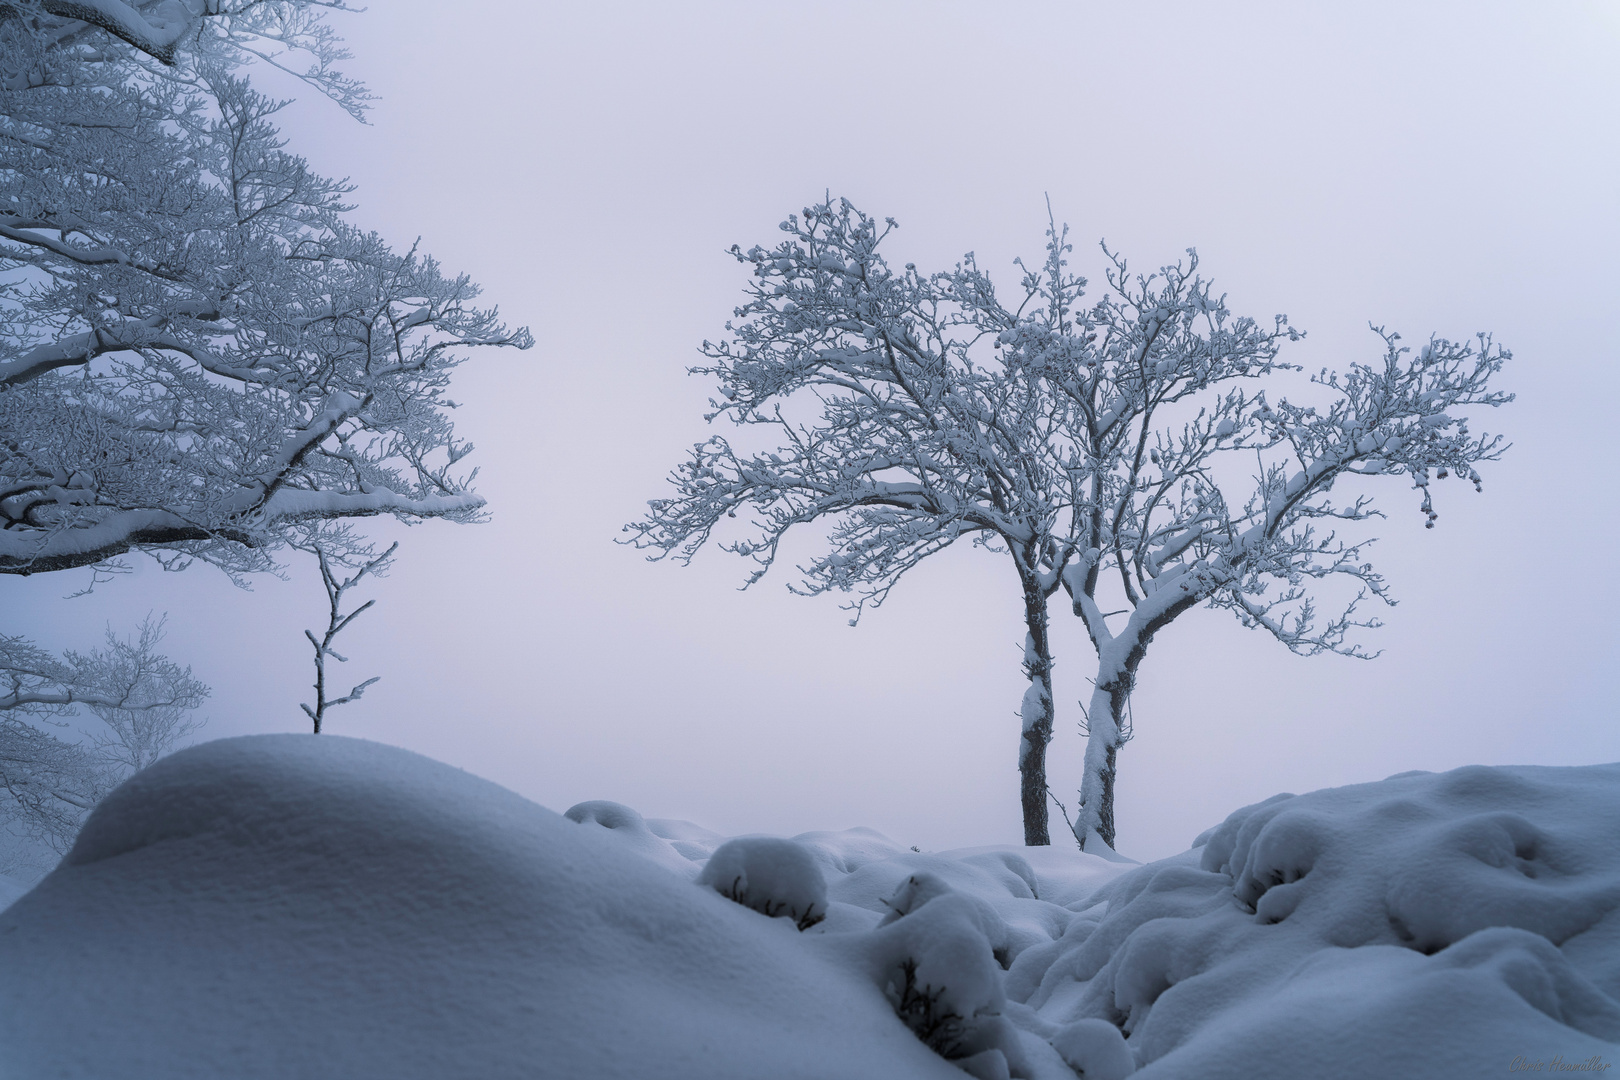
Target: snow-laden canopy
[(287, 905)]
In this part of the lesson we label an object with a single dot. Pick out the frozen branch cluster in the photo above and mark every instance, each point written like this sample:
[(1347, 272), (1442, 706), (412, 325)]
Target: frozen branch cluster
[(1130, 450), (198, 351), (51, 779)]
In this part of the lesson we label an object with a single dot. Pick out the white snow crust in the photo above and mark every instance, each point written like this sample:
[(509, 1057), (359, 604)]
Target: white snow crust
[(297, 905), (293, 905)]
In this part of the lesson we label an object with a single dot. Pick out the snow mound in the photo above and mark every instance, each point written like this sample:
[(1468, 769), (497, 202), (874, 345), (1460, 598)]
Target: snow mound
[(628, 828), (292, 905), (937, 965), (1450, 922), (295, 905), (690, 841), (778, 878), (1095, 1049)]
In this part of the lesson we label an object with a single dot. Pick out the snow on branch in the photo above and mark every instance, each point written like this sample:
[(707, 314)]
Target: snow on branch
[(197, 350), (140, 696), (184, 36), (40, 550), (917, 444), (1137, 450), (155, 31)]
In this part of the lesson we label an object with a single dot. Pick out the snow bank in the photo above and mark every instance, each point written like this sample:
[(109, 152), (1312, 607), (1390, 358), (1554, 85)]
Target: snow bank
[(629, 829), (1425, 924), (316, 906), (287, 905)]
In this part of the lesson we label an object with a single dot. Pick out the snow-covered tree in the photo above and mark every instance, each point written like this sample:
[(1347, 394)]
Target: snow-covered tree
[(198, 351), (1189, 489), (51, 778), (890, 418), (1098, 446), (201, 356)]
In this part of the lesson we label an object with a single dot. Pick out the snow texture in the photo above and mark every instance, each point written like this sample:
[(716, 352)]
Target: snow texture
[(10, 889), (1426, 923), (632, 833), (287, 905)]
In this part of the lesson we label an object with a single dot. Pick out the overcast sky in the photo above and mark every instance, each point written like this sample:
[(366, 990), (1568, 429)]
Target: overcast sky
[(1443, 168)]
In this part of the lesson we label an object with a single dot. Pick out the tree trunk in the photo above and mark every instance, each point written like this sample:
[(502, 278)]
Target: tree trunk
[(1094, 821), (1118, 657), (1036, 715)]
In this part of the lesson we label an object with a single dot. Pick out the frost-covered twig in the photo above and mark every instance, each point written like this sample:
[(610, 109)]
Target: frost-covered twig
[(336, 623), (1064, 810)]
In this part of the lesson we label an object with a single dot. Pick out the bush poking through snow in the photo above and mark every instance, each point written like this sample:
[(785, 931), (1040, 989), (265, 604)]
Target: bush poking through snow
[(939, 1028), (1420, 925), (778, 878), (934, 958)]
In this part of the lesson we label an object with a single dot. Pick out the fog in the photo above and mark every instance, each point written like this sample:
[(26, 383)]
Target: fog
[(1448, 168)]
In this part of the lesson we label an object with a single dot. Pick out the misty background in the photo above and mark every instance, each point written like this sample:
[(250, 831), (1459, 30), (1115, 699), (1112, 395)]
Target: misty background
[(1448, 168)]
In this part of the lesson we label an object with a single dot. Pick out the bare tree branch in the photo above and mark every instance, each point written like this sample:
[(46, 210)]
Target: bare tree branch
[(141, 698), (337, 622), (198, 352)]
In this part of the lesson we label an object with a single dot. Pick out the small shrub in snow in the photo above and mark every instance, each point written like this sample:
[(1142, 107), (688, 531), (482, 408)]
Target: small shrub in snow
[(922, 887), (913, 893), (934, 959), (778, 878), (937, 1025)]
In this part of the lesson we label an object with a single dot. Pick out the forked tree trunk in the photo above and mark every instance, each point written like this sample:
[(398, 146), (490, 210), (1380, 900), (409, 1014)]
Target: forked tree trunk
[(1036, 716), (1118, 657)]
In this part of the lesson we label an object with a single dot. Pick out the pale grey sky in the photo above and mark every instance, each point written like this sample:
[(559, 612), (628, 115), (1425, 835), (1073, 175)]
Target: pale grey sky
[(1435, 167)]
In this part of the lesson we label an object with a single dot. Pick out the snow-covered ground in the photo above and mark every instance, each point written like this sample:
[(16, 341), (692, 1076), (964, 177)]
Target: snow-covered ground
[(298, 906), (10, 889)]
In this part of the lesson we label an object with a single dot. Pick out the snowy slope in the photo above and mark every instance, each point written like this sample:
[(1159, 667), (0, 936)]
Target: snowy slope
[(284, 906), (292, 905), (10, 889)]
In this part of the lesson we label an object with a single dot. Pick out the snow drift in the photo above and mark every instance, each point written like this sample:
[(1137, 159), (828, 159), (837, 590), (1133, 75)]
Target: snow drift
[(1427, 923), (287, 905)]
